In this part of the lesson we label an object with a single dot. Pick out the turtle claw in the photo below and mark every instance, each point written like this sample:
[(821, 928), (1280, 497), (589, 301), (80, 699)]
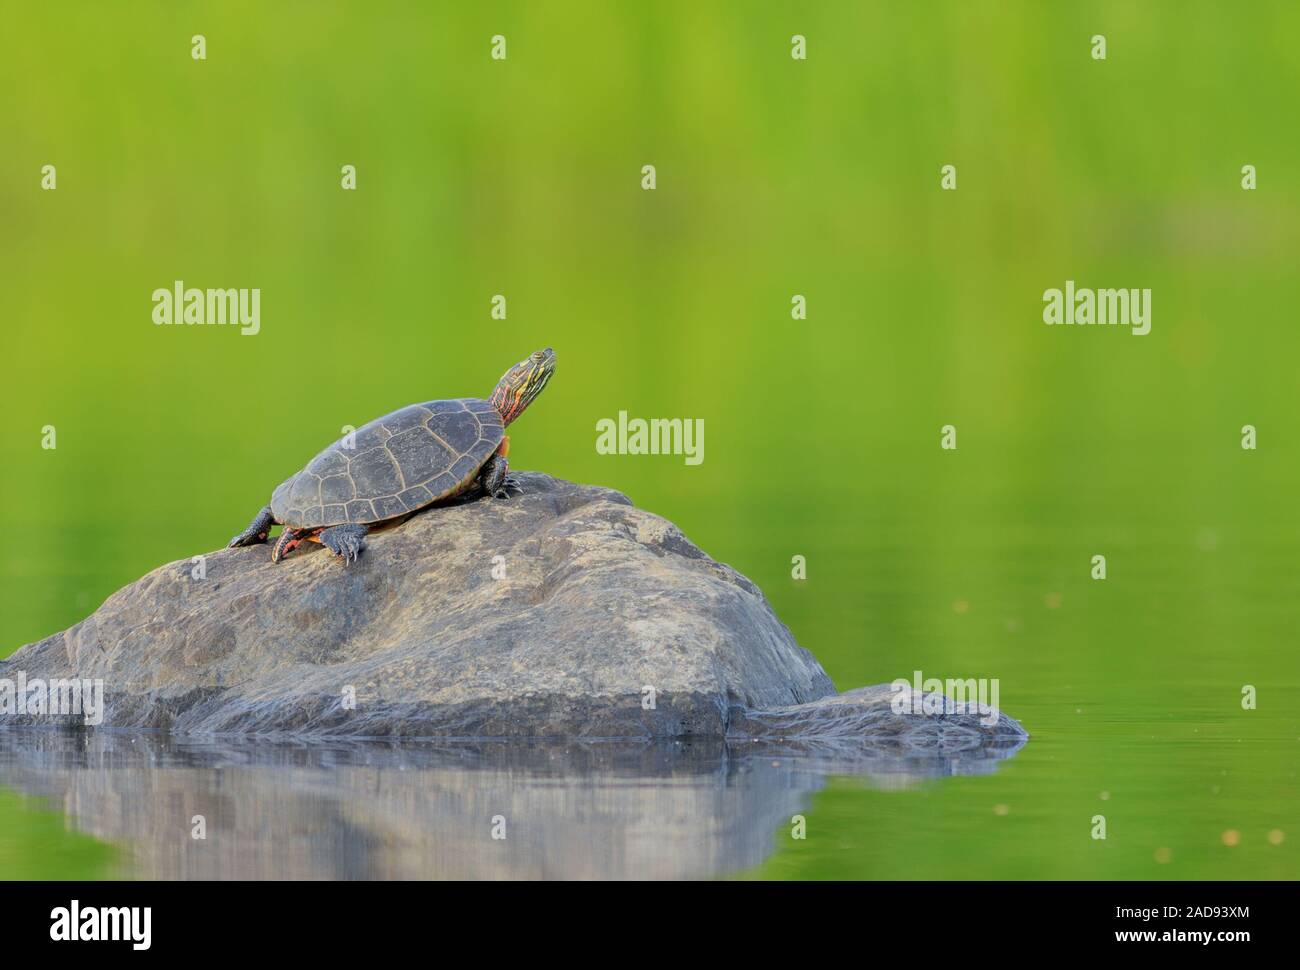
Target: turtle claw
[(348, 549), (510, 483), (345, 541)]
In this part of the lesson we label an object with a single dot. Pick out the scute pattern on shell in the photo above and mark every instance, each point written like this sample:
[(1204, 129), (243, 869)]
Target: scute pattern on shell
[(402, 462)]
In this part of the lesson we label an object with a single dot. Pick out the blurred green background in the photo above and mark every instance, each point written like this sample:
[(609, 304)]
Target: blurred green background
[(775, 177)]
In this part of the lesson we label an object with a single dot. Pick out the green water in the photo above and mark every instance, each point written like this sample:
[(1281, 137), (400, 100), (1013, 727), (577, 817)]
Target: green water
[(775, 177), (37, 844)]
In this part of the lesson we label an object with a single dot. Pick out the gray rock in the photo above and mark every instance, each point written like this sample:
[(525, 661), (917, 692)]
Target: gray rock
[(598, 601)]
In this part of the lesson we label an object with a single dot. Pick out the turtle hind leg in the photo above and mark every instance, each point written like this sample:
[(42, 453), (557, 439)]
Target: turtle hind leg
[(345, 541), (257, 531)]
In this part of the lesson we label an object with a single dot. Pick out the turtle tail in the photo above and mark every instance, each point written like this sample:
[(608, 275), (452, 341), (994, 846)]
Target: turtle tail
[(286, 543)]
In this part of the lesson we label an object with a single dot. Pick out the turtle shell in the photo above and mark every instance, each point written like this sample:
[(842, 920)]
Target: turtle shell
[(399, 463)]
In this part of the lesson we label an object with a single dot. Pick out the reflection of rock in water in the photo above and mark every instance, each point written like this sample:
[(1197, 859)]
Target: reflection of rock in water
[(424, 810)]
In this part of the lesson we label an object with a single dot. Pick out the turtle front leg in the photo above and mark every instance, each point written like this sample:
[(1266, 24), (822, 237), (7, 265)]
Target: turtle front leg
[(345, 541), (493, 479), (257, 531)]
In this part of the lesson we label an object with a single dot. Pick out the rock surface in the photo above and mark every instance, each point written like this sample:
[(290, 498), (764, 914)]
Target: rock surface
[(597, 602)]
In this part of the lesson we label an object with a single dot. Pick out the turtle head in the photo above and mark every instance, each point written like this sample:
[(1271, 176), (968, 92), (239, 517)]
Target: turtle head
[(522, 383)]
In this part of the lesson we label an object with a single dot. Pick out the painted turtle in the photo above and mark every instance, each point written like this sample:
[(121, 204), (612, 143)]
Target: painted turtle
[(399, 463)]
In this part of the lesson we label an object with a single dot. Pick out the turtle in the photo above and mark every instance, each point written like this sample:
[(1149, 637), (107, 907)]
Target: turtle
[(398, 464)]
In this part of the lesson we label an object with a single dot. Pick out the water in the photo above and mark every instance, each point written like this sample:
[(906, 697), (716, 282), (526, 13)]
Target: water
[(425, 810), (1182, 798)]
